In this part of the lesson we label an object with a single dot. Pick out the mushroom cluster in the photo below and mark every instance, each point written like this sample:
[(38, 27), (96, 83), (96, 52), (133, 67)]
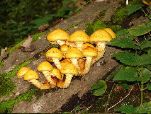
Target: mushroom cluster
[(74, 57)]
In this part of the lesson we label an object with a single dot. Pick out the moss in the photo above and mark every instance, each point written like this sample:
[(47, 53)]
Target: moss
[(38, 35), (6, 106), (6, 84), (18, 44), (1, 63)]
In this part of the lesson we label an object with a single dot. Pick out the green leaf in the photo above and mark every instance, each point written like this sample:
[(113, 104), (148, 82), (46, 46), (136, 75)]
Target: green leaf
[(123, 34), (124, 85), (98, 25), (126, 11), (42, 20), (99, 88), (126, 74), (94, 26), (140, 29), (145, 108), (145, 44), (149, 86), (144, 75), (124, 43), (133, 59), (126, 109)]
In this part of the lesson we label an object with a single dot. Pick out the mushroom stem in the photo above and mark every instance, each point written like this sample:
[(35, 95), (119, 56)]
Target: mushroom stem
[(70, 44), (101, 50), (47, 75), (88, 63), (60, 42), (79, 45), (67, 81), (56, 62), (75, 63), (101, 45), (39, 84)]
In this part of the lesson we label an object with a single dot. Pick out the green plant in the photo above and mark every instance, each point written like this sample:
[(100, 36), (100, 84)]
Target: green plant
[(126, 11), (135, 61), (99, 88)]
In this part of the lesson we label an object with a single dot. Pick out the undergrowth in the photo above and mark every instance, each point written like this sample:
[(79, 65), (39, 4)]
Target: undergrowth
[(134, 58)]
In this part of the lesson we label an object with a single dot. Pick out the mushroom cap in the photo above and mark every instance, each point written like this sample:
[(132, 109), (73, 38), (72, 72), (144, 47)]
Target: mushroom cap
[(100, 36), (30, 75), (54, 53), (22, 71), (44, 66), (68, 68), (110, 32), (90, 52), (57, 73), (74, 53), (79, 36), (64, 48), (57, 34)]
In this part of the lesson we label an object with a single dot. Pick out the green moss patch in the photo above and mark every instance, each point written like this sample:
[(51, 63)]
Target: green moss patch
[(6, 106), (6, 84)]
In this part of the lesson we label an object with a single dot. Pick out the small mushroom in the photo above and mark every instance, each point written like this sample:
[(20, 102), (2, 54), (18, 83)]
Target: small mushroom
[(100, 37), (79, 37), (64, 48), (74, 54), (32, 76), (89, 53), (56, 72), (58, 36), (46, 68), (69, 70), (56, 56), (22, 71), (110, 32)]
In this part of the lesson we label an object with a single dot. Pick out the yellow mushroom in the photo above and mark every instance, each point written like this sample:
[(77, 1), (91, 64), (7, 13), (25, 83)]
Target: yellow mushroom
[(32, 76), (100, 37), (46, 68), (79, 37), (58, 36), (64, 48), (56, 56), (69, 70), (110, 32), (74, 54), (89, 53), (22, 71)]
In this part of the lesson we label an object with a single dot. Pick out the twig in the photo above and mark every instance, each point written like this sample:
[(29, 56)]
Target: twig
[(109, 96), (121, 99)]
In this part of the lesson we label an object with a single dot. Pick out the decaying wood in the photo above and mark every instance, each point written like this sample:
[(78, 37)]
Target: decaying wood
[(53, 101)]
